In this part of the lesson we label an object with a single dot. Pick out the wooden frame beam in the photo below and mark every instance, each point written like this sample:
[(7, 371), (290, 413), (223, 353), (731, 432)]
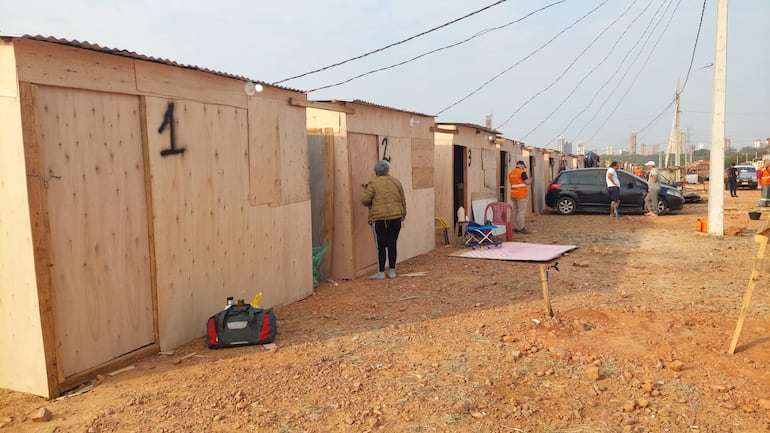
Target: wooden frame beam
[(331, 106), (41, 232), (443, 131)]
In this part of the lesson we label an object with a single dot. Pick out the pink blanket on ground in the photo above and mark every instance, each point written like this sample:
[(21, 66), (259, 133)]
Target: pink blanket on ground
[(518, 251)]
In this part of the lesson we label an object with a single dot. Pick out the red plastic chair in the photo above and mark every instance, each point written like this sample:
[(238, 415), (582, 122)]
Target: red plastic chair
[(502, 213)]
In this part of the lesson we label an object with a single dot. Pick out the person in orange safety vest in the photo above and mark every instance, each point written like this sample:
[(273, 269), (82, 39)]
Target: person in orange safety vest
[(519, 195), (764, 181)]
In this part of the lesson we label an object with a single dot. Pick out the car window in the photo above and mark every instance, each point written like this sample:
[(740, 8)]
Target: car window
[(564, 178), (751, 170), (625, 179), (588, 178)]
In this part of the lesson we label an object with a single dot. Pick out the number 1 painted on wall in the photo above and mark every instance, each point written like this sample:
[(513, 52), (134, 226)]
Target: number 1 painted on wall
[(168, 119)]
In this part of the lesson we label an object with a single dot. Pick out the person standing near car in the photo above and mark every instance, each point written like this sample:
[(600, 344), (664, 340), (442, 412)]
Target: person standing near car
[(732, 180), (613, 186), (519, 195), (653, 188), (764, 181)]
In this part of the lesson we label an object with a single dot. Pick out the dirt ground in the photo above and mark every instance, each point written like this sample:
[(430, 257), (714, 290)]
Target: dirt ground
[(645, 309)]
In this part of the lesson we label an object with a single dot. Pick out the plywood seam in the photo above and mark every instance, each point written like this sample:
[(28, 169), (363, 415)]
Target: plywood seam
[(150, 220), (41, 233)]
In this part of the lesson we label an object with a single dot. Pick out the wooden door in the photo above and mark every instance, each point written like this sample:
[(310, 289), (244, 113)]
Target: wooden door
[(363, 156), (99, 240)]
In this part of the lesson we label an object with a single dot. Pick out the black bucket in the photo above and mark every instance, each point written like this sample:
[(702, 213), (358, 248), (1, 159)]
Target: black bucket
[(754, 215)]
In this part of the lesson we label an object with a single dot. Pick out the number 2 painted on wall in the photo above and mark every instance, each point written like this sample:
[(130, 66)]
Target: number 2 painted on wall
[(168, 120)]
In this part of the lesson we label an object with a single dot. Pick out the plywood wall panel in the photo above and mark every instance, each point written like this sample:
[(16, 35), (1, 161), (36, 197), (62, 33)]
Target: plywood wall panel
[(9, 87), (320, 119), (166, 80), (388, 122), (288, 277), (416, 235), (443, 183), (317, 157), (24, 367), (422, 162), (293, 155), (343, 265), (61, 65), (363, 156), (210, 241), (199, 200), (264, 152), (98, 224)]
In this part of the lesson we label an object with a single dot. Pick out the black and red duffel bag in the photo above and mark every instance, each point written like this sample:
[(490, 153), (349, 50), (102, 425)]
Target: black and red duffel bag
[(240, 325)]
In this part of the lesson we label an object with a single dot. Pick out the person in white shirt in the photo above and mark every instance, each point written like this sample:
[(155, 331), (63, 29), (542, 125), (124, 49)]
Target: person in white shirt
[(613, 186)]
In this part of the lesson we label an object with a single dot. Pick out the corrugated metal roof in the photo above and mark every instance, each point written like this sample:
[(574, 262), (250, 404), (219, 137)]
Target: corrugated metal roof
[(131, 54), (472, 125), (359, 101)]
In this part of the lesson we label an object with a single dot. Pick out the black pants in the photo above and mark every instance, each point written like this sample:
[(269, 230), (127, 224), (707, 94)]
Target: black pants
[(733, 184), (385, 238)]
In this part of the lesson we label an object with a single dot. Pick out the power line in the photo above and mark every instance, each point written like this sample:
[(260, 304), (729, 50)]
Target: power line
[(694, 47), (647, 60), (593, 98), (522, 60), (620, 66), (585, 77), (393, 44), (480, 33), (689, 69)]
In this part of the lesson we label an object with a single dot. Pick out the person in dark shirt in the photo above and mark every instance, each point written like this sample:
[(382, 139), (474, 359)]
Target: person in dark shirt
[(732, 180)]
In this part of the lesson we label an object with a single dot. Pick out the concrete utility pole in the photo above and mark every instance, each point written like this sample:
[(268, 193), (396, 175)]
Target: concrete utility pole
[(716, 205)]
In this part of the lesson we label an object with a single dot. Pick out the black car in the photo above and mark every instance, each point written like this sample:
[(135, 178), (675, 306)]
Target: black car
[(586, 189)]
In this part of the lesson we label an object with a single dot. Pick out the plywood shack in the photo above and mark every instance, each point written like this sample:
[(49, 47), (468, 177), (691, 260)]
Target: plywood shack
[(468, 167), (354, 135), (137, 195)]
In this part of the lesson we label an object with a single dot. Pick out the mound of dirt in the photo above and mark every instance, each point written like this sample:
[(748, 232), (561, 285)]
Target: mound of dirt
[(645, 309)]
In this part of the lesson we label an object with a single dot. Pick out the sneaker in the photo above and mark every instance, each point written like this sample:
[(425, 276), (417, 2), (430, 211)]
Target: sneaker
[(392, 273), (378, 276), (524, 231)]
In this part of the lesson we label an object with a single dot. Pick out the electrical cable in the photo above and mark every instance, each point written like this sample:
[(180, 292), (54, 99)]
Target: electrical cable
[(620, 66), (613, 75), (393, 44), (480, 33), (647, 60), (601, 62), (563, 73), (689, 69), (523, 59)]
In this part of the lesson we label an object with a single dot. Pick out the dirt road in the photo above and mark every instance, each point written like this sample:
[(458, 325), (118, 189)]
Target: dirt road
[(644, 312)]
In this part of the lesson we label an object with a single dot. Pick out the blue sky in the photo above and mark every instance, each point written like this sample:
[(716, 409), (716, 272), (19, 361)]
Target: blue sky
[(557, 90)]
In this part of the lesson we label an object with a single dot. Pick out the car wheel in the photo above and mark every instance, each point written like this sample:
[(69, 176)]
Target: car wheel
[(566, 205), (662, 207)]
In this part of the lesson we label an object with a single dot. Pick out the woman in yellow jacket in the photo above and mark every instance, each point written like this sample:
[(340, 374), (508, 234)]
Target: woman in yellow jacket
[(384, 196)]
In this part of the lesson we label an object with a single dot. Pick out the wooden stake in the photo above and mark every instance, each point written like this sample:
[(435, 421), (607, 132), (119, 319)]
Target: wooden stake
[(546, 297), (761, 238)]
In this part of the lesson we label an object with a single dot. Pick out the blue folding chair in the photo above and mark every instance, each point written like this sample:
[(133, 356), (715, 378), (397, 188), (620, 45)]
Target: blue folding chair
[(477, 235)]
